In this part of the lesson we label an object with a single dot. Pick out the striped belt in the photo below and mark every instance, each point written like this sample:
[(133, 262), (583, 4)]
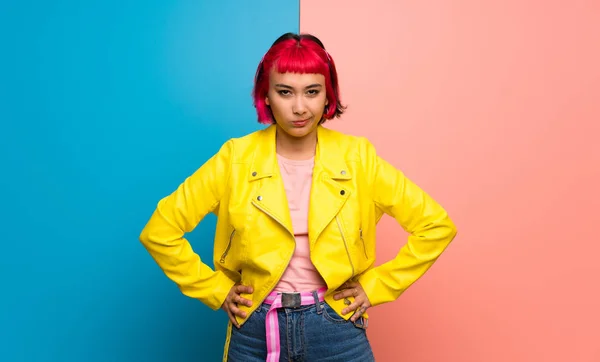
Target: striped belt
[(284, 300)]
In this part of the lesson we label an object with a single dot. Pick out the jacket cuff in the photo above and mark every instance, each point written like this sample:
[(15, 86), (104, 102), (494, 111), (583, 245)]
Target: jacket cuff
[(375, 289), (213, 295), (222, 285)]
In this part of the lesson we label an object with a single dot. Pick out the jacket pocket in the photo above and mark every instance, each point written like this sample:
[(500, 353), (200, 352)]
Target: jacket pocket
[(346, 246), (362, 241), (226, 252)]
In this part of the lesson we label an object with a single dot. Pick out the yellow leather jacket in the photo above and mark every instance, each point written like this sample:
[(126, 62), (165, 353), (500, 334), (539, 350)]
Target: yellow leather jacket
[(351, 189)]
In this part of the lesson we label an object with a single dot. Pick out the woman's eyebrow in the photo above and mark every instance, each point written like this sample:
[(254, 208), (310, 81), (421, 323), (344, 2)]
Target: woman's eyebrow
[(316, 85)]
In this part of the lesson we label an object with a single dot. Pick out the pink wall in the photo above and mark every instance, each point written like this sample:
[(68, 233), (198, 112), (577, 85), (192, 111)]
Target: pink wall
[(492, 107)]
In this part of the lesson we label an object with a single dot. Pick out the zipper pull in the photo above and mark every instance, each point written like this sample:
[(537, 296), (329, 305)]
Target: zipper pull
[(228, 246)]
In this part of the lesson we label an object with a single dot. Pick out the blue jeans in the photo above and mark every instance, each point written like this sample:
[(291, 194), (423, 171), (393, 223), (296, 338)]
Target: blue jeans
[(312, 333)]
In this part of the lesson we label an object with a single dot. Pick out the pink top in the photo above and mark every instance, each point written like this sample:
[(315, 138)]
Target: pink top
[(300, 275)]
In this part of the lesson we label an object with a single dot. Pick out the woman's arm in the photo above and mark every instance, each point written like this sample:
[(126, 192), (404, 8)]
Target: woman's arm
[(428, 224), (179, 213)]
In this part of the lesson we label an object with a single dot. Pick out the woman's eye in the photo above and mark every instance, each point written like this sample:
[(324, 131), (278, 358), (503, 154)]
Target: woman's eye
[(313, 92), (284, 92)]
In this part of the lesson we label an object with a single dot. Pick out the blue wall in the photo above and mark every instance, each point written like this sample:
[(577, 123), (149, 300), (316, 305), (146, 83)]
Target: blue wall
[(105, 107)]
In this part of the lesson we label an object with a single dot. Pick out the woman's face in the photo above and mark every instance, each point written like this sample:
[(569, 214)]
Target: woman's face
[(297, 102)]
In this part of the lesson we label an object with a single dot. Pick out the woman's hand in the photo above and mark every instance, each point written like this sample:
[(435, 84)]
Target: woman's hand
[(361, 301), (230, 305)]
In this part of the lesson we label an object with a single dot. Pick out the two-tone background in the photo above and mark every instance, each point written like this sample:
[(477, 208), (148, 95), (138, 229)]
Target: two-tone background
[(492, 107)]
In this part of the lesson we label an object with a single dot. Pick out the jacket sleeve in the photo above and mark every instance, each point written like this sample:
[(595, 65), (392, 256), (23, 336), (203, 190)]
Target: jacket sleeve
[(429, 227), (179, 213)]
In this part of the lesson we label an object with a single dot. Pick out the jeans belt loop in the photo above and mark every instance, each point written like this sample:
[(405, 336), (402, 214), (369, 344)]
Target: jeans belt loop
[(364, 323)]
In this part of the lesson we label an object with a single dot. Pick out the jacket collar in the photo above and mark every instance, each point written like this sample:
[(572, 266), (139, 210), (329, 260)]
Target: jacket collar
[(329, 157)]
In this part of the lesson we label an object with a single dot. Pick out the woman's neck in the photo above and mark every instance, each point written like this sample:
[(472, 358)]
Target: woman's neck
[(296, 148)]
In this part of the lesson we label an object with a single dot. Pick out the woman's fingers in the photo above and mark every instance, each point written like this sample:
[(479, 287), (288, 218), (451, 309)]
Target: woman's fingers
[(353, 306), (232, 319), (246, 302), (360, 303), (244, 289), (240, 300), (232, 311), (234, 299), (345, 293), (359, 312), (236, 311)]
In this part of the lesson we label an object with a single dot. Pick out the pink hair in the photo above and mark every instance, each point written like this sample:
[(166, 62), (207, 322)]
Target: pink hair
[(296, 54)]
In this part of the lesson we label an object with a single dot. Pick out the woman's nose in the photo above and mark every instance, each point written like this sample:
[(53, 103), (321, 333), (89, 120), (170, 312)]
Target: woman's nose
[(299, 107)]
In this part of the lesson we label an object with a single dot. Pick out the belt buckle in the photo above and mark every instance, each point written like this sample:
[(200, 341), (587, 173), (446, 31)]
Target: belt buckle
[(291, 300)]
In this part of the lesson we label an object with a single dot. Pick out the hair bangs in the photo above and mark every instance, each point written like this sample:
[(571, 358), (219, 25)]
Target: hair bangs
[(301, 60)]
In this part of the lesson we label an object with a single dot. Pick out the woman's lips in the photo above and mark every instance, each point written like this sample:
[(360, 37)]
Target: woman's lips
[(300, 123)]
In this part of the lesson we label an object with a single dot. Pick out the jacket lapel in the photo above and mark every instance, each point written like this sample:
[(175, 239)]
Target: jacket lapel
[(328, 194), (270, 197)]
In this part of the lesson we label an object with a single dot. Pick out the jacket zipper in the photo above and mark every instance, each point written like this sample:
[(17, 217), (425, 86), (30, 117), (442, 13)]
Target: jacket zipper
[(263, 297), (228, 247), (364, 245), (345, 244)]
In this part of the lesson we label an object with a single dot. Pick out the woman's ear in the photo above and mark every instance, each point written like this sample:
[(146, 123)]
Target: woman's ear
[(267, 101)]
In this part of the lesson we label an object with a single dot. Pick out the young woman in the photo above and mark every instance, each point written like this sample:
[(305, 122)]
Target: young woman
[(297, 207)]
